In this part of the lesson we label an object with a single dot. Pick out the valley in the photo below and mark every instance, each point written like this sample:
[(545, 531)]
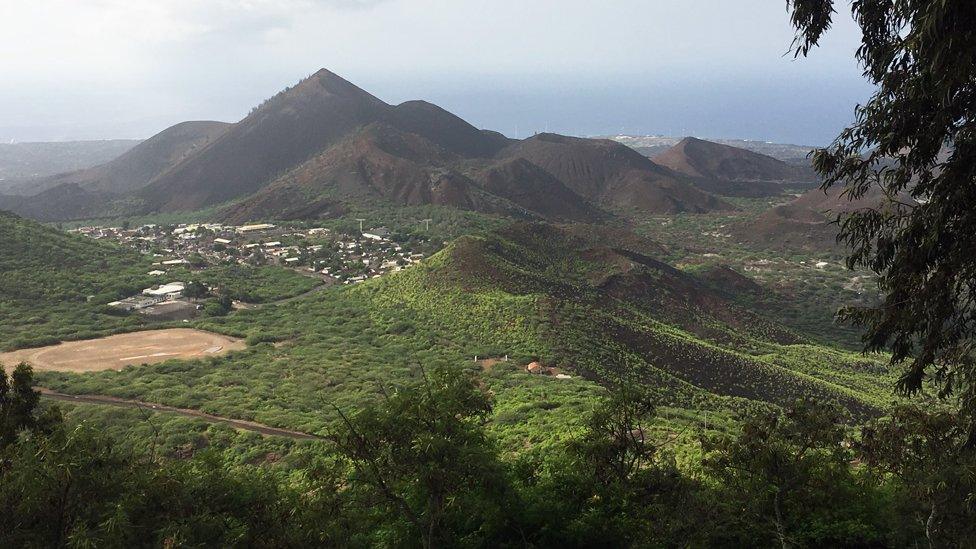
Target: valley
[(254, 290), (413, 238)]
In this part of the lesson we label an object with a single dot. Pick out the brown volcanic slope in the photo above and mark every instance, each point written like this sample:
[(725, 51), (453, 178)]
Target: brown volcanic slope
[(612, 174), (447, 130), (139, 165), (806, 222), (536, 190), (323, 143), (700, 158), (717, 167), (384, 162), (377, 162)]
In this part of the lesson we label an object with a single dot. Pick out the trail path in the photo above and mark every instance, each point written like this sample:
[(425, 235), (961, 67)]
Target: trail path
[(188, 412)]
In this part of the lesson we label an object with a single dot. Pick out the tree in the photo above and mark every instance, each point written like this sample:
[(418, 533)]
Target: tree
[(921, 449), (218, 306), (195, 289), (786, 480), (915, 138), (617, 444), (611, 486), (423, 455), (19, 405)]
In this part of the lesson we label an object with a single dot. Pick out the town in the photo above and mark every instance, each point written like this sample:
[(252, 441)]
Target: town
[(319, 252)]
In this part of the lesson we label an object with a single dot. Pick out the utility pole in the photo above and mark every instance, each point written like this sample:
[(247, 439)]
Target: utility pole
[(427, 222), (360, 224)]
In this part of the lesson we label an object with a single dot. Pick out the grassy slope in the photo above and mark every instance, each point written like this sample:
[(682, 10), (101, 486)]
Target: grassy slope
[(528, 292), (48, 276)]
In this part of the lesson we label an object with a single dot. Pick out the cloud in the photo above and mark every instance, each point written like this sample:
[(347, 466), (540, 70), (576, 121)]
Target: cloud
[(165, 59)]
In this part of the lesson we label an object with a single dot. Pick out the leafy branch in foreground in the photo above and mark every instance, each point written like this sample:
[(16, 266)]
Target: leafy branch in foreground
[(913, 145)]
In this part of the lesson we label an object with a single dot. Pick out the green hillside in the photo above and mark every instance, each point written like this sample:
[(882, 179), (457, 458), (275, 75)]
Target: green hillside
[(55, 285), (595, 302)]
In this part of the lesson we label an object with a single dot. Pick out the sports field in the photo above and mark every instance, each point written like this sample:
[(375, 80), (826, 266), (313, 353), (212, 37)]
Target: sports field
[(117, 351)]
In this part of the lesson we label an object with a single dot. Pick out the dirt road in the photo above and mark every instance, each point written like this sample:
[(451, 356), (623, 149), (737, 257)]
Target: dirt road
[(188, 412)]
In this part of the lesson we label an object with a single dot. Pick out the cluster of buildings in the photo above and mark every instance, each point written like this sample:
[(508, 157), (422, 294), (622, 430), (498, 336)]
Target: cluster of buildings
[(151, 296), (345, 258)]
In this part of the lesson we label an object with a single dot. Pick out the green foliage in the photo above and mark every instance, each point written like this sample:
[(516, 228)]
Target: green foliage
[(19, 406), (922, 451), (256, 284), (419, 468), (913, 148)]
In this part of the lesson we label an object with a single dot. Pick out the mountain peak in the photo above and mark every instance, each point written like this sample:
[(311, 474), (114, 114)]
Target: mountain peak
[(329, 82)]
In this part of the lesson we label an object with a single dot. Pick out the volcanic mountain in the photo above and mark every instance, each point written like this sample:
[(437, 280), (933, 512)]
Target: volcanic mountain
[(732, 171), (325, 144), (613, 175), (139, 165), (383, 162)]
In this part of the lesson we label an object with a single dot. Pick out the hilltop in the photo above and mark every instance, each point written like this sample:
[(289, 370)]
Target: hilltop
[(614, 175), (731, 170), (601, 303), (654, 145)]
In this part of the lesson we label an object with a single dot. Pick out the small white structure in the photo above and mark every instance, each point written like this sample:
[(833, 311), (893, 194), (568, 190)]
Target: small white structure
[(175, 262), (274, 244), (221, 241), (156, 272)]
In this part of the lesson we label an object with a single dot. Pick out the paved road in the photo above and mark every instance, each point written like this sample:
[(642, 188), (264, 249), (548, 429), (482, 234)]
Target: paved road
[(126, 403)]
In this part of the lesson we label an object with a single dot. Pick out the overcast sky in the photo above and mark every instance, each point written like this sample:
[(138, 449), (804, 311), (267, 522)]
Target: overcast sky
[(95, 69)]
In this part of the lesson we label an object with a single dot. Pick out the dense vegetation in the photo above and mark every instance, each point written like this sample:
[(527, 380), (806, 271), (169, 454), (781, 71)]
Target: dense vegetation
[(530, 292), (419, 468)]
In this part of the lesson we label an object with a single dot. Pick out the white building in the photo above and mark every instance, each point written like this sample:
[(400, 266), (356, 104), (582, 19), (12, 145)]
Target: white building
[(172, 290)]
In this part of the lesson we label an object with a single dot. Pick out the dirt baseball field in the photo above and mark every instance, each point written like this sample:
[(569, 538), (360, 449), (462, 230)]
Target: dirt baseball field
[(117, 351)]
